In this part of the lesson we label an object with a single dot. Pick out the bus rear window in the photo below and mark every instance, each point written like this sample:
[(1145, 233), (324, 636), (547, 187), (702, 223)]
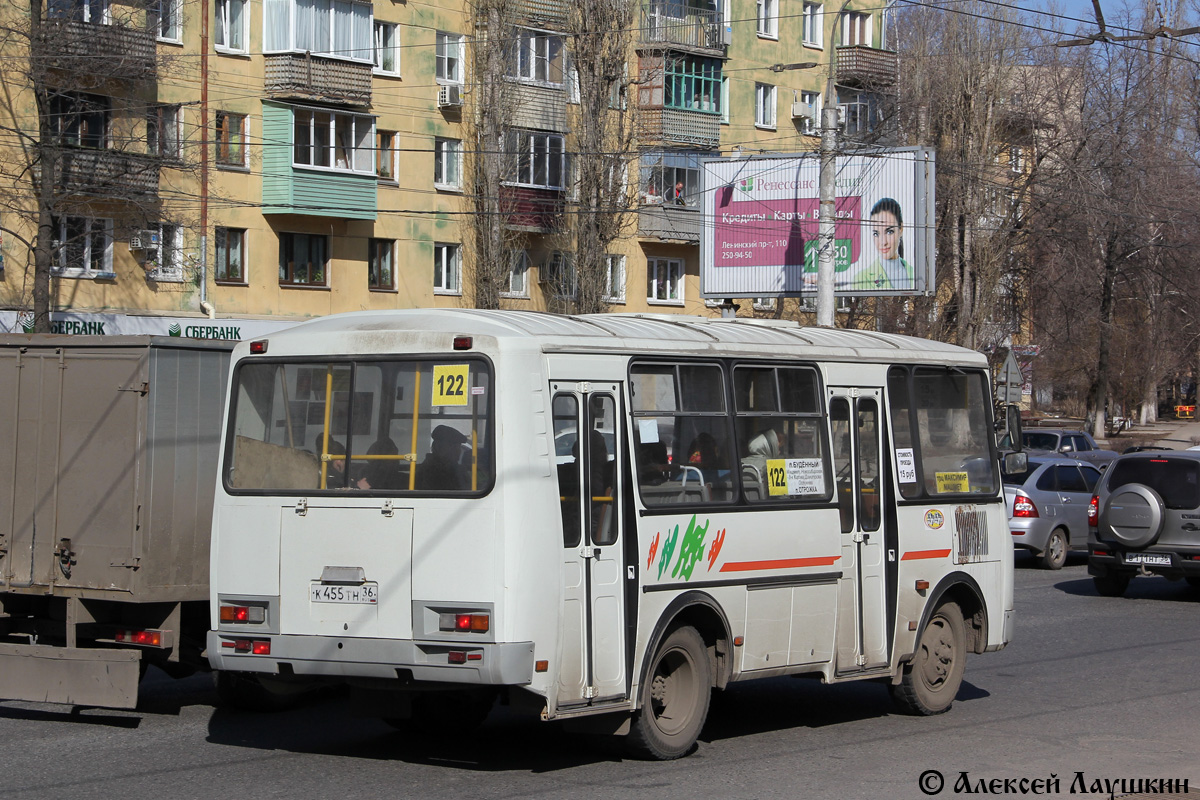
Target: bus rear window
[(370, 426)]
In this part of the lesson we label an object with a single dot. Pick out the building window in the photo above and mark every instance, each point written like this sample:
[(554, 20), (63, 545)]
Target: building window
[(1016, 159), (381, 271), (164, 131), (539, 57), (80, 120), (329, 140), (387, 48), (303, 259), (446, 269), (230, 33), (664, 280), (447, 163), (858, 110), (560, 274), (165, 18), (518, 275), (342, 29), (231, 255), (615, 283), (672, 178), (82, 247), (768, 18), (856, 29), (449, 57), (811, 121), (693, 83), (165, 262), (94, 11), (765, 303), (385, 155), (764, 105), (540, 159), (230, 139), (814, 21)]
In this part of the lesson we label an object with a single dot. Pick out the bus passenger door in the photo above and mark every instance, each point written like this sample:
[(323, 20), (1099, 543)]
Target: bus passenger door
[(592, 657), (854, 416)]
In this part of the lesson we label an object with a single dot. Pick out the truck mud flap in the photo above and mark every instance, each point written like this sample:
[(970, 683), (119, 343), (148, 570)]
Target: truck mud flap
[(79, 676)]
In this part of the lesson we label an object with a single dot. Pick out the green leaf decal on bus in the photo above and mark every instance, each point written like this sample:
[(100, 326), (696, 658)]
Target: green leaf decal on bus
[(691, 549)]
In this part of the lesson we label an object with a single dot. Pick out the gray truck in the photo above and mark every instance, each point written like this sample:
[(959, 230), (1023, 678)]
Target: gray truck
[(108, 464)]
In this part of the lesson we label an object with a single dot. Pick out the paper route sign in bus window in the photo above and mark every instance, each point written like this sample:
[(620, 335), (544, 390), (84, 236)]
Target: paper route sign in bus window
[(450, 383)]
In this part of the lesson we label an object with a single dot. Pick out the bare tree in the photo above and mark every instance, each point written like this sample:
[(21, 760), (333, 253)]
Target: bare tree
[(492, 243), (600, 33), (79, 87)]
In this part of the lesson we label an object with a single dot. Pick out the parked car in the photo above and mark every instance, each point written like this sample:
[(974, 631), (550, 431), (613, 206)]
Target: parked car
[(1145, 520), (1048, 506), (1070, 443)]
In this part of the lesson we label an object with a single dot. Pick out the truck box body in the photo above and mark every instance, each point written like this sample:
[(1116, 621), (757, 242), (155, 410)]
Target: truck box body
[(108, 463)]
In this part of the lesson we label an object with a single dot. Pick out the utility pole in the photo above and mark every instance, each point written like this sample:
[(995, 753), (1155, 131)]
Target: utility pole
[(828, 187)]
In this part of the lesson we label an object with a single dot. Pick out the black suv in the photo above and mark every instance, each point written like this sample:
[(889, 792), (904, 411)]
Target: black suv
[(1145, 519)]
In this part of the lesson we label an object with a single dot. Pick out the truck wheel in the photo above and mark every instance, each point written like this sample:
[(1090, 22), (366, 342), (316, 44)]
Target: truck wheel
[(931, 680), (674, 699), (246, 692), (1055, 553), (1112, 583)]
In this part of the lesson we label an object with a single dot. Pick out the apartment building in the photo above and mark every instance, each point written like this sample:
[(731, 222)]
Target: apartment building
[(283, 159)]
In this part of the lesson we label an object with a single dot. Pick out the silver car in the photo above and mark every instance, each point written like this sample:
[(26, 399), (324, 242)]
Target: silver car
[(1048, 506), (1070, 443)]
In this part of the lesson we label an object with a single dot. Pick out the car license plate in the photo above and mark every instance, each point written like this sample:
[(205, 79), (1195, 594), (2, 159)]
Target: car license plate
[(1157, 559), (367, 593)]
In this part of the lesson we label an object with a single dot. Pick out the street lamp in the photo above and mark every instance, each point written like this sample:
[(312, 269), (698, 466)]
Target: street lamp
[(785, 67)]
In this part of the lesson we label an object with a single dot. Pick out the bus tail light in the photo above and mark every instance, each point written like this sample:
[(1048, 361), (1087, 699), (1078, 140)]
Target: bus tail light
[(462, 342), (242, 614), (465, 623), (1094, 511), (1024, 508), (258, 647)]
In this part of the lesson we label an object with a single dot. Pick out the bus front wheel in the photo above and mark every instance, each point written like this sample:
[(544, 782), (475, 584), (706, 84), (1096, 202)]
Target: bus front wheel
[(932, 679), (675, 698)]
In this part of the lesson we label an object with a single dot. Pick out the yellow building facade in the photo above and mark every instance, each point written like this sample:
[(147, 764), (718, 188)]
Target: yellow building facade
[(285, 159)]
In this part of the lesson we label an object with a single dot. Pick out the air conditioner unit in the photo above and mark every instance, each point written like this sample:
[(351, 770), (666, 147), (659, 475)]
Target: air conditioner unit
[(804, 111), (727, 36), (144, 240), (449, 96)]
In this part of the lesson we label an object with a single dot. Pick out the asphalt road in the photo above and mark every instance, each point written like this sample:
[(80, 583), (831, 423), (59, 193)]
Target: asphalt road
[(1092, 685)]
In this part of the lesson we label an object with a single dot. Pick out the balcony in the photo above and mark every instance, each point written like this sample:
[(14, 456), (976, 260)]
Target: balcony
[(859, 65), (77, 47), (108, 173), (539, 107), (533, 210), (315, 78), (549, 14), (679, 127), (670, 223), (672, 24)]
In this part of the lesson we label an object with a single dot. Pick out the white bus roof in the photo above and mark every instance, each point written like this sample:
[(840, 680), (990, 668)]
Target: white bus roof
[(366, 331)]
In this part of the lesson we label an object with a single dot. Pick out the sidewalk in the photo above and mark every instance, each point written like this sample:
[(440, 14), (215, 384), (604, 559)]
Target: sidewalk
[(1175, 434)]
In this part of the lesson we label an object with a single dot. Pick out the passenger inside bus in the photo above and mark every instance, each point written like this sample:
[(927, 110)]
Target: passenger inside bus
[(384, 473), (441, 470)]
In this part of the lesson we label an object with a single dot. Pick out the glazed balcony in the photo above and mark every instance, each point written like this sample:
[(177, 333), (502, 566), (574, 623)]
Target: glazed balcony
[(679, 127), (314, 78)]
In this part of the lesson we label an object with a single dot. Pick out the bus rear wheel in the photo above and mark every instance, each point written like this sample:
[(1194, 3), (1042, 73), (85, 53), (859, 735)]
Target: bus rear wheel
[(932, 679), (674, 699)]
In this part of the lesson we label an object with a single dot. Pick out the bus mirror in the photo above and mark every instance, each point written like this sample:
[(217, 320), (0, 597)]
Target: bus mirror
[(1016, 463)]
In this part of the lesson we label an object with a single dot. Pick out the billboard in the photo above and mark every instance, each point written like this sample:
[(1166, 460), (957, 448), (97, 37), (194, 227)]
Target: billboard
[(761, 218)]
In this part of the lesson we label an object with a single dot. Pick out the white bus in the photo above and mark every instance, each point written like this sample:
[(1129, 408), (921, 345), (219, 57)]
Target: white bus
[(406, 504)]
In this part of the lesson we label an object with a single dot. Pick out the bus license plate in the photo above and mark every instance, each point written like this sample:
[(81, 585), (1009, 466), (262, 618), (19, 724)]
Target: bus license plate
[(1158, 559), (367, 593)]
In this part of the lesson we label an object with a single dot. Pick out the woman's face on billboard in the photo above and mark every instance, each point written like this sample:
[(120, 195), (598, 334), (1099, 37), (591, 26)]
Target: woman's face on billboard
[(885, 233)]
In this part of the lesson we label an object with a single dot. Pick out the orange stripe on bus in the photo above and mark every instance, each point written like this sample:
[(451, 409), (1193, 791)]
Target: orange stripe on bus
[(781, 563), (913, 555)]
